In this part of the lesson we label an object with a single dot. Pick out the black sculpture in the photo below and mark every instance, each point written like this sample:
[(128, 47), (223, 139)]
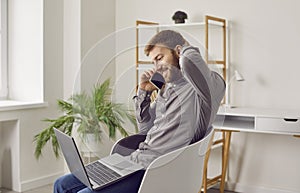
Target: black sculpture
[(179, 17)]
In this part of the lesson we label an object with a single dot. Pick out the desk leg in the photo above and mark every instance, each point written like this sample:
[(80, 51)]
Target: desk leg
[(225, 153)]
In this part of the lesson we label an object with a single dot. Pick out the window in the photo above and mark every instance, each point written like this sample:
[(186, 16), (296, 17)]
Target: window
[(3, 49), (21, 77)]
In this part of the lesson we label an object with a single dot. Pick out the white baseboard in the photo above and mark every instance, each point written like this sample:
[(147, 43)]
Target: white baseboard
[(237, 187), (38, 182)]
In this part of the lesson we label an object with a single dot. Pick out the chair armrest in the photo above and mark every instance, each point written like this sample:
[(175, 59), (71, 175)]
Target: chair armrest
[(128, 144)]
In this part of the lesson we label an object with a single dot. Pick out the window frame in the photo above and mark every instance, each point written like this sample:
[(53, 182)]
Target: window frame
[(4, 48)]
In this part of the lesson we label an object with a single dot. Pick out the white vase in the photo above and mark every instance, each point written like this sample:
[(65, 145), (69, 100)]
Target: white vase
[(92, 148), (90, 144)]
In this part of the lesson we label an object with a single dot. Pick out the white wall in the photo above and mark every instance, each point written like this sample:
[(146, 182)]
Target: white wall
[(71, 46), (264, 44), (97, 42)]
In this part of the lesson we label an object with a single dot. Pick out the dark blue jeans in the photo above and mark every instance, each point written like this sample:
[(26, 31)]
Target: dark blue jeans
[(70, 184)]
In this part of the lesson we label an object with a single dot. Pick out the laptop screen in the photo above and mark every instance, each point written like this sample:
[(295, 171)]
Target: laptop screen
[(72, 157)]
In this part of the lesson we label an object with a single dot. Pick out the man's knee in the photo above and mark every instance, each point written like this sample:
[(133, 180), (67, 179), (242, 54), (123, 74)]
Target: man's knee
[(67, 184), (58, 185)]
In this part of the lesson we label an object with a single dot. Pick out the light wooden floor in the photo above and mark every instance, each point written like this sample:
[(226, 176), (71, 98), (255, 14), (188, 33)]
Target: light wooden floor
[(48, 189)]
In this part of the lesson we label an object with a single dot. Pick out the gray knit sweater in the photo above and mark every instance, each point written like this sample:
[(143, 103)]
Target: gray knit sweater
[(182, 111)]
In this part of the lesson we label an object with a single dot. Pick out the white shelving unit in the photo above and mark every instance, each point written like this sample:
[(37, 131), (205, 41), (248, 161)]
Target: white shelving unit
[(180, 25)]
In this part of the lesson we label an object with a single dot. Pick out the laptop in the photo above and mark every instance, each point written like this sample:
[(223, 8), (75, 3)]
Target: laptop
[(100, 173)]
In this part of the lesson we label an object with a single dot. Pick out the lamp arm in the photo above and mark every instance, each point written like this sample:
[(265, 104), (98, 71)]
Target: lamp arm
[(238, 77), (227, 91)]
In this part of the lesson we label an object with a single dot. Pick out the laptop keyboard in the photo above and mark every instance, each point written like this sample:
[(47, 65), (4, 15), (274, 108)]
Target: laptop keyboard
[(100, 173)]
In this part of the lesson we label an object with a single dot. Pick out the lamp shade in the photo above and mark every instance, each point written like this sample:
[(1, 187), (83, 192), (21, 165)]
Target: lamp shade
[(238, 76)]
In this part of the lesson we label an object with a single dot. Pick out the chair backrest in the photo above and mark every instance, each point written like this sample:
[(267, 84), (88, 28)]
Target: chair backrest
[(179, 171)]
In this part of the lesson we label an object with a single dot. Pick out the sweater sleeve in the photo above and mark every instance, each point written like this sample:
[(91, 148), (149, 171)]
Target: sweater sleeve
[(144, 110), (208, 84)]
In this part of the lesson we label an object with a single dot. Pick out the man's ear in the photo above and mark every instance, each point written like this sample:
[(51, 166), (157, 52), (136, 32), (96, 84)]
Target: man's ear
[(178, 50)]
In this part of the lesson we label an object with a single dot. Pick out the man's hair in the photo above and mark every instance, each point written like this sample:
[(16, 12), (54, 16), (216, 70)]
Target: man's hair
[(168, 38)]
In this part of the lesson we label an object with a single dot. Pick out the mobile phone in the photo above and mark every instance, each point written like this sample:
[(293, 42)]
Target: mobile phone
[(157, 80)]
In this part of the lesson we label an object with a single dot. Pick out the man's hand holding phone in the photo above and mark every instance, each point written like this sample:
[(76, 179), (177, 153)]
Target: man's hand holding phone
[(151, 80), (144, 81), (157, 80)]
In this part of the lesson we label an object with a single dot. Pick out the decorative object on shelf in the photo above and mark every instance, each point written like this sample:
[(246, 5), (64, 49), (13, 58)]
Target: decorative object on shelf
[(94, 113), (237, 77), (179, 17)]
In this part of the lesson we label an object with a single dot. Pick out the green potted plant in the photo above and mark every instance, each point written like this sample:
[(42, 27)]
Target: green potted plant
[(88, 114)]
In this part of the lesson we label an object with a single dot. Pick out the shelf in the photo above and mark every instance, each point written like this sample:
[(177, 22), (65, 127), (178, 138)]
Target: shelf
[(198, 24), (145, 62), (145, 67), (234, 122), (219, 66)]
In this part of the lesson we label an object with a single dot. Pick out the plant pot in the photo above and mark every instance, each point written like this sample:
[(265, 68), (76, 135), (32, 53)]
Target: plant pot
[(92, 148), (90, 144)]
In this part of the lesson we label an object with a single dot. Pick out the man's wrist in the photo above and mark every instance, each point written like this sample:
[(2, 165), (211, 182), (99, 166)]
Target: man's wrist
[(143, 93)]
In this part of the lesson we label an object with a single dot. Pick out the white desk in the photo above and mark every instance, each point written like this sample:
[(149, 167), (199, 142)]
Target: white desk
[(284, 122), (228, 120)]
